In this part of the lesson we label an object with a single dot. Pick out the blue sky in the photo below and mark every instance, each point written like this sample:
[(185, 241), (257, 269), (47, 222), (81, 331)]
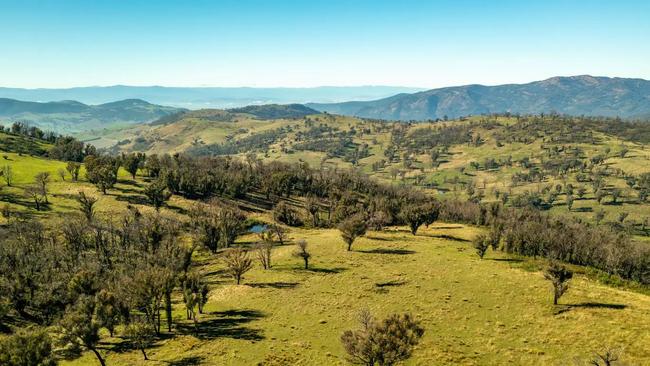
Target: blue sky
[(47, 43)]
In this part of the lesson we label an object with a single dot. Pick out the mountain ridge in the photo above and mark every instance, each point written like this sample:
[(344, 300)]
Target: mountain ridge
[(573, 95)]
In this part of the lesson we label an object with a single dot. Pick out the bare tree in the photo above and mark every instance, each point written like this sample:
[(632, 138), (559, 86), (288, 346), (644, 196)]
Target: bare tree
[(237, 263), (605, 358), (263, 251), (302, 252), (279, 232)]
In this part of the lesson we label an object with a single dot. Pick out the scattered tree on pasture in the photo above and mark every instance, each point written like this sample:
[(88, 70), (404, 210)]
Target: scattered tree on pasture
[(73, 169), (383, 343), (302, 252), (141, 336), (238, 262), (87, 205), (353, 227), (157, 194), (559, 276), (416, 215)]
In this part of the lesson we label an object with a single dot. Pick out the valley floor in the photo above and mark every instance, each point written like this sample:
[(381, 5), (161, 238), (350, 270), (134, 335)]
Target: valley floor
[(475, 312)]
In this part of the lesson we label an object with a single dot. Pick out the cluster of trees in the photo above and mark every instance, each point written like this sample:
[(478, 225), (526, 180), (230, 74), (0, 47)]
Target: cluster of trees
[(65, 148), (84, 274), (254, 142), (529, 232)]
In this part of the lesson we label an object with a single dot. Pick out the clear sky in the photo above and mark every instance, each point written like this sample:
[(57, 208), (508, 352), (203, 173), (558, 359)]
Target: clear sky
[(64, 43)]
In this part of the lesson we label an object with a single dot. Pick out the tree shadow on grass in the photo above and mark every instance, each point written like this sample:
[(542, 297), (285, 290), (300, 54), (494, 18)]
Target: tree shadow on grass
[(590, 305), (126, 345), (513, 260), (275, 285), (133, 199), (227, 324), (390, 284), (583, 209), (187, 361), (178, 209), (380, 239), (447, 237), (388, 251), (326, 270), (129, 182)]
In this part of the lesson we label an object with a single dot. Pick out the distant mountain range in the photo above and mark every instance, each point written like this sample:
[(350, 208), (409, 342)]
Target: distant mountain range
[(575, 95), (197, 98), (73, 116)]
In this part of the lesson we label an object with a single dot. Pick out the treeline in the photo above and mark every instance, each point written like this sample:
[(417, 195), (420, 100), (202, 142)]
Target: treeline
[(335, 195), (529, 232)]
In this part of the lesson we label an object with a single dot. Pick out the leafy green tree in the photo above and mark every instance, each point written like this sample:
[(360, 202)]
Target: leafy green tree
[(141, 335), (132, 162), (418, 215), (382, 343), (559, 276), (157, 194), (73, 169), (28, 347), (79, 329), (108, 310), (101, 171), (352, 228)]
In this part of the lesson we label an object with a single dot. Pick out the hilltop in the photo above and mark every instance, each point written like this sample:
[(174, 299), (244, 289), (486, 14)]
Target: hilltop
[(72, 116), (575, 95)]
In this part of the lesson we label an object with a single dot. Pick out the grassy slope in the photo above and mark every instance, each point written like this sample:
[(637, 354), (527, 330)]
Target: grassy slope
[(474, 311), (178, 136)]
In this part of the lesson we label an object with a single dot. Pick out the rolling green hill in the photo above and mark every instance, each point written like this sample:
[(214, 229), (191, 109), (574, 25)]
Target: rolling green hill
[(73, 117), (474, 311), (488, 158)]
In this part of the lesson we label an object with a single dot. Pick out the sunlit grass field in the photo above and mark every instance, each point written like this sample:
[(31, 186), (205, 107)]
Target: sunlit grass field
[(492, 311)]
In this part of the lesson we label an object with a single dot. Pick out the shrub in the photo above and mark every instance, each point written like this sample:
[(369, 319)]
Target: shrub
[(287, 215), (481, 244), (383, 342)]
